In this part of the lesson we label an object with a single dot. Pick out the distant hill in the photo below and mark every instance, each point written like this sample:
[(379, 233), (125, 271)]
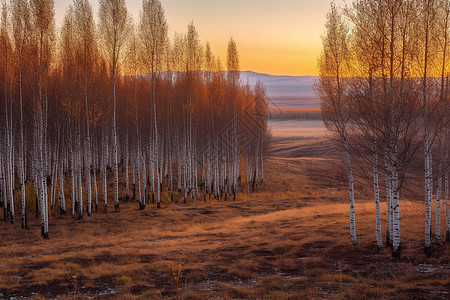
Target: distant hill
[(285, 91)]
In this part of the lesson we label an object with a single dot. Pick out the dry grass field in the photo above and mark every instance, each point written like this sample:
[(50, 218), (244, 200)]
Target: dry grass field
[(290, 240)]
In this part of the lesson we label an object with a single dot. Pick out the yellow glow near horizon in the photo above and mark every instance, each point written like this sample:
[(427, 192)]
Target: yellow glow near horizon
[(279, 37)]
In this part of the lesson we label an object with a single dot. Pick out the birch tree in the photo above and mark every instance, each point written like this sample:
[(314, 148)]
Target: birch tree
[(42, 19), (6, 53), (85, 29), (114, 30), (442, 66), (21, 35), (331, 88), (233, 77), (153, 35)]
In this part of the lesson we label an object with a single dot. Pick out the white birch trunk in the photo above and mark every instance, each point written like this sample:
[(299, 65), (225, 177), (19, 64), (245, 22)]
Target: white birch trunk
[(42, 204), (256, 169), (72, 170), (195, 177), (6, 190), (104, 189), (179, 170), (10, 176), (87, 168), (427, 195), (79, 181), (351, 197), (447, 212), (141, 206), (158, 203), (22, 186), (2, 182), (217, 170), (45, 208), (377, 202), (61, 190), (37, 185), (127, 186), (116, 163), (43, 182), (396, 213), (247, 172), (144, 179), (262, 164), (438, 204), (53, 181), (21, 156), (105, 171), (134, 180), (388, 182), (151, 174), (170, 176), (95, 182), (185, 183)]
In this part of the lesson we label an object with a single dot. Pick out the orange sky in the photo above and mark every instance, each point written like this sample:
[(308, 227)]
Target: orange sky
[(279, 37)]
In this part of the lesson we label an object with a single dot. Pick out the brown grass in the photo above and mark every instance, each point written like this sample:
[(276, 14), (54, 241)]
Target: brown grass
[(288, 241)]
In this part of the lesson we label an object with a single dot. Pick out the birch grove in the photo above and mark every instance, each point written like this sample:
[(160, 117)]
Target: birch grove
[(387, 105), (102, 100)]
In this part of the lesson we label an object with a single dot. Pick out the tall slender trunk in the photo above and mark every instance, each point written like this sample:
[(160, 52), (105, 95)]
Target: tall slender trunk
[(445, 95), (261, 157), (104, 172), (95, 165), (116, 163), (427, 146), (54, 176), (179, 170), (72, 170), (21, 155), (87, 168), (127, 186), (377, 201), (255, 181), (388, 183), (43, 181), (156, 146), (134, 179), (61, 190), (79, 174), (144, 178), (396, 212), (247, 172), (2, 183), (351, 196), (427, 193), (447, 212), (438, 204), (141, 204), (170, 183), (10, 172)]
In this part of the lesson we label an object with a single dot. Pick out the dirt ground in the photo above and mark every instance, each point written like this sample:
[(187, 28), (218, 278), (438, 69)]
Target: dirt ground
[(289, 240)]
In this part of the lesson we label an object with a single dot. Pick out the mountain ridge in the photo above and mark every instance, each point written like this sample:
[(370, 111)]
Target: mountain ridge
[(285, 91)]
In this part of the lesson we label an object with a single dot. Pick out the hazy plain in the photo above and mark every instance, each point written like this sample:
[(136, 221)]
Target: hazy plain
[(297, 129)]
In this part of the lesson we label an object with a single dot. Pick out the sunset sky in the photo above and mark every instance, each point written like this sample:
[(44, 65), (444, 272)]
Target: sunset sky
[(280, 37)]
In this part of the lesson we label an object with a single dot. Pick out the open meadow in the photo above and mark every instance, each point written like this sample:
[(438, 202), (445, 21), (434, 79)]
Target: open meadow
[(288, 240)]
